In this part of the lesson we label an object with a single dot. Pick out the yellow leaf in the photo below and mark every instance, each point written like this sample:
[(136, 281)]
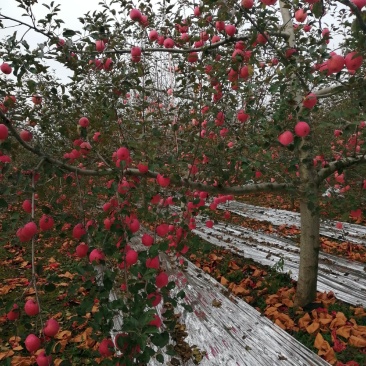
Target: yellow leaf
[(312, 328), (357, 341)]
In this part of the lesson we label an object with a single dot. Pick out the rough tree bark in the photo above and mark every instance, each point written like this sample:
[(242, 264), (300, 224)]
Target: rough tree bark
[(310, 226)]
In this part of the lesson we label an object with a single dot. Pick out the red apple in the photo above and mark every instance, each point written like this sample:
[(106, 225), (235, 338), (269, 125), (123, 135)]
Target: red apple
[(32, 343), (302, 129), (96, 255), (197, 11), (82, 250), (168, 43), (192, 57), (3, 132), (161, 280), (242, 116), (155, 298), (310, 101), (31, 308), (153, 35), (156, 321), (78, 231), (230, 29), (131, 257), (359, 3), (300, 15), (286, 138), (99, 45), (247, 4), (153, 262), (26, 135), (147, 240), (30, 229), (84, 122), (163, 181), (135, 15), (14, 313), (46, 223), (43, 360), (123, 153), (353, 61), (220, 25), (106, 348), (136, 54), (5, 68), (37, 99), (335, 63), (51, 327)]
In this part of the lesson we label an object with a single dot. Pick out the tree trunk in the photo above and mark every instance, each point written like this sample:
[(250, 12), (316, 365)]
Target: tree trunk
[(310, 223)]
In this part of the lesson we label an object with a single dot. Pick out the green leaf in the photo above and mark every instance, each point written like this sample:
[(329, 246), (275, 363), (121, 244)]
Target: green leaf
[(160, 340), (3, 203), (160, 358), (318, 9), (49, 287), (68, 33)]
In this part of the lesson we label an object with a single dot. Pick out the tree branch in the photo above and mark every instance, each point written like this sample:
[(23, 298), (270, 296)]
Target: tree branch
[(356, 11), (327, 92), (236, 190), (339, 164)]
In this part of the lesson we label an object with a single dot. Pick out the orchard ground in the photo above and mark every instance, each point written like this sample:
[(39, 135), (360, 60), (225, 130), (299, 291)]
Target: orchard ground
[(261, 286)]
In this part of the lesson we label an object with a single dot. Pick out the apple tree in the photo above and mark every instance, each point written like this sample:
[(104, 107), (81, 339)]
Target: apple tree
[(173, 104)]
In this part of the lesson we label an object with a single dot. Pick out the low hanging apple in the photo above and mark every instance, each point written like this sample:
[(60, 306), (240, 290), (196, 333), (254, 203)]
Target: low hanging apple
[(51, 327), (32, 343), (31, 308)]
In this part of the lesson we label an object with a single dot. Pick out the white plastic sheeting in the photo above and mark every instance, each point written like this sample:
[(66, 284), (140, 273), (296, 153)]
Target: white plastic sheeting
[(350, 232), (347, 279)]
